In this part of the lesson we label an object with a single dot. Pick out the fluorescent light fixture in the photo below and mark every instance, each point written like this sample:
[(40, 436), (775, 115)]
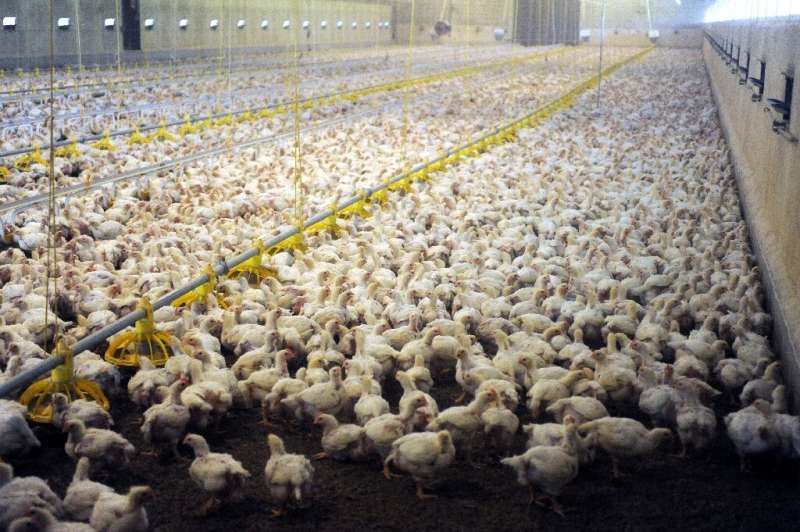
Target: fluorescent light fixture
[(585, 34), (653, 34), (149, 23), (355, 24), (213, 24), (241, 24), (183, 23), (9, 22), (340, 24), (264, 24), (306, 24), (286, 24), (367, 25), (323, 24), (109, 22), (63, 22)]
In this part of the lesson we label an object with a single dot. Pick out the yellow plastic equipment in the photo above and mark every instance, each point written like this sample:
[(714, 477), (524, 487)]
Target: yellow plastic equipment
[(137, 138), (253, 268), (294, 242), (187, 127), (162, 133), (38, 397), (247, 116), (329, 224), (224, 121), (359, 208), (4, 174), (144, 340), (29, 159), (105, 143), (202, 292), (69, 151)]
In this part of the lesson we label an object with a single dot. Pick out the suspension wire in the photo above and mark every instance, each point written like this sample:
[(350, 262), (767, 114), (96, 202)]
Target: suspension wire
[(118, 31), (298, 156), (78, 34), (602, 42), (52, 260), (229, 29), (407, 90)]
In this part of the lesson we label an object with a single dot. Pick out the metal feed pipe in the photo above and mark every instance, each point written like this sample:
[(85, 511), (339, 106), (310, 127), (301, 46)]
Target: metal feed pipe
[(221, 268)]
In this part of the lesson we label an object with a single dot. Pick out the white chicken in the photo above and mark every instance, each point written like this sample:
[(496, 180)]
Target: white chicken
[(288, 476)]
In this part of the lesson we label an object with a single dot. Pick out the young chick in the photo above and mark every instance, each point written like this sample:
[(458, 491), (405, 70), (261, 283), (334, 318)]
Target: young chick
[(421, 455), (340, 441), (103, 447), (18, 495), (287, 475), (16, 436), (165, 423), (122, 512), (751, 431), (548, 468), (82, 493), (92, 414), (39, 519), (624, 438), (217, 473)]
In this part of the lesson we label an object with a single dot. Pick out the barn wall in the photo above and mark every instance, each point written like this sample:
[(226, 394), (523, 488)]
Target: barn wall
[(767, 167)]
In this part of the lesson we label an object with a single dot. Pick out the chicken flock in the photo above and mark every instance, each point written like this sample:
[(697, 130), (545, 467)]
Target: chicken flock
[(594, 269)]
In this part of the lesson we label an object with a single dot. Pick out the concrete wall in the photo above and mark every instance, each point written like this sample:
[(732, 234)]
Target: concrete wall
[(627, 23), (28, 45), (767, 168), (472, 21)]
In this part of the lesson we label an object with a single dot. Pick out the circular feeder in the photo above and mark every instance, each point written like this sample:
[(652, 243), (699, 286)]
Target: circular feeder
[(143, 341), (38, 397)]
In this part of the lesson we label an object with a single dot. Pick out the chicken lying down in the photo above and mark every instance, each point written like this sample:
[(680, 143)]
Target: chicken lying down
[(288, 476), (219, 474), (19, 494), (341, 441), (40, 519), (548, 468), (16, 436), (422, 455), (82, 493), (92, 414)]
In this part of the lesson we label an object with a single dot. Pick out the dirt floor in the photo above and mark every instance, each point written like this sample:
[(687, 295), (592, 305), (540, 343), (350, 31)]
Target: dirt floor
[(663, 492)]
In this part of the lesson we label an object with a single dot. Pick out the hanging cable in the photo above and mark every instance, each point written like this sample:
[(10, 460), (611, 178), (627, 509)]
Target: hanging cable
[(407, 90), (51, 271), (298, 158)]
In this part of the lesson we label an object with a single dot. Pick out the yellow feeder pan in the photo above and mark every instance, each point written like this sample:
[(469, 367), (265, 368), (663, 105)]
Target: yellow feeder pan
[(253, 269), (187, 128), (38, 397), (137, 138), (69, 151), (143, 341), (202, 292), (4, 174), (162, 133), (329, 224), (26, 161), (294, 242), (105, 143), (358, 208)]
